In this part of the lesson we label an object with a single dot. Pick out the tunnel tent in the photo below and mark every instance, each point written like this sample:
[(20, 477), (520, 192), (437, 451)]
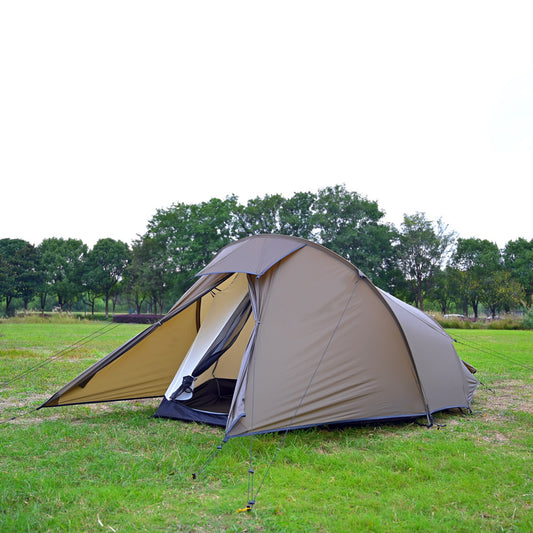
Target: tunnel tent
[(281, 333)]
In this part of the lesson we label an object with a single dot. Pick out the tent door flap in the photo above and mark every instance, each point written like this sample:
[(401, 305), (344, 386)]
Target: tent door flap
[(222, 341)]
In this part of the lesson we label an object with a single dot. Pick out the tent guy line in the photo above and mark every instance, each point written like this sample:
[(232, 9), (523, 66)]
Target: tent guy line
[(61, 353)]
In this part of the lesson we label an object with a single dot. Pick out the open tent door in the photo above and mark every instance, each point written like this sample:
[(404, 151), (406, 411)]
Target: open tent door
[(203, 387)]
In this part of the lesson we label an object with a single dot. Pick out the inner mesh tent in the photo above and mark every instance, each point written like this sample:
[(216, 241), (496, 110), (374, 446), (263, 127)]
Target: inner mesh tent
[(278, 333)]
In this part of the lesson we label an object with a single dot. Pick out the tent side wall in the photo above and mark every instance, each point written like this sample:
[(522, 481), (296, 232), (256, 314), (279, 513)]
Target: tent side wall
[(446, 381), (327, 350)]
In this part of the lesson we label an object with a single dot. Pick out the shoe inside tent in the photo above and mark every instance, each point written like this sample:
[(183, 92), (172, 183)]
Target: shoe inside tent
[(281, 333)]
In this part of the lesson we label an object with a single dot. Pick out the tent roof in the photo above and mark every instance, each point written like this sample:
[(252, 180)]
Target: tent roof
[(257, 253)]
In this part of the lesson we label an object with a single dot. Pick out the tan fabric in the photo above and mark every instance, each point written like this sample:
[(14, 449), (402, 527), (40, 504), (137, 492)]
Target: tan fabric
[(443, 376), (143, 371)]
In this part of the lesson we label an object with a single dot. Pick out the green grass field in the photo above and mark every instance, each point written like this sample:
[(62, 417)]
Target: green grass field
[(111, 467)]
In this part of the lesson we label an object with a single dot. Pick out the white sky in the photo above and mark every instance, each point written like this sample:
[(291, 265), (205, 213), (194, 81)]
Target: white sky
[(110, 110)]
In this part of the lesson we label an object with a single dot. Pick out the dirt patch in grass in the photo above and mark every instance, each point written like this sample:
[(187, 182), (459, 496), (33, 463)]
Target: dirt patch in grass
[(504, 395), (6, 403), (24, 410), (496, 437)]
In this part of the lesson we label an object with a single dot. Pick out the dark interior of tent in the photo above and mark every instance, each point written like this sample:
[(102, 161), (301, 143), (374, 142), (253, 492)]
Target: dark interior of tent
[(210, 403)]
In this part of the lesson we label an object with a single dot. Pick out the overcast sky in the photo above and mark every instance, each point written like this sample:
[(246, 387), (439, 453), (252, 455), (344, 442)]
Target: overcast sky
[(110, 110)]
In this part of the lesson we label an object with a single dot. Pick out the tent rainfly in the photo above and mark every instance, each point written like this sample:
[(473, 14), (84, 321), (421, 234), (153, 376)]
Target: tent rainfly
[(281, 333)]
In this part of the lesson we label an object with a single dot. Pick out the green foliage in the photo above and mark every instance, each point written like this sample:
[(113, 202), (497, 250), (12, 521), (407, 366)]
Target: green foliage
[(528, 320), (103, 466), (180, 240), (62, 263), (20, 273), (501, 292), (104, 267), (39, 319), (350, 226), (422, 252), (296, 215), (259, 215), (478, 260), (148, 276), (506, 323), (518, 259), (185, 237), (456, 322)]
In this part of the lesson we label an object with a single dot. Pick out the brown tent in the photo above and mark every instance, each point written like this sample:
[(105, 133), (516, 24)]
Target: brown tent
[(281, 333)]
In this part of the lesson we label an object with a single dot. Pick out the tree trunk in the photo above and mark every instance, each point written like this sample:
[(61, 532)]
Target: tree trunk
[(420, 300), (43, 303)]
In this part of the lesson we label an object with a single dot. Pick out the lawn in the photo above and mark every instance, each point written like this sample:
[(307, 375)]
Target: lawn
[(111, 467)]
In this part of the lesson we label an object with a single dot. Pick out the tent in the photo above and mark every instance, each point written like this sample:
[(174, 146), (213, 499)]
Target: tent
[(281, 333)]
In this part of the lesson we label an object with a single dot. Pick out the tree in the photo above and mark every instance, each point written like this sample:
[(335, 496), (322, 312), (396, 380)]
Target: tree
[(296, 215), (518, 260), (259, 215), (104, 267), (147, 275), (479, 260), (443, 288), (458, 285), (89, 297), (62, 264), (423, 248), (501, 292), (5, 282), (350, 226), (185, 237), (19, 271), (31, 275), (138, 274)]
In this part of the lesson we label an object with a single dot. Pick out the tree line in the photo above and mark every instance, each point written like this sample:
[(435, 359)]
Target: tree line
[(421, 262)]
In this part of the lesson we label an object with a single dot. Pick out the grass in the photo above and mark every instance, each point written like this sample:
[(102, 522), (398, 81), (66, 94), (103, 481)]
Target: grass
[(111, 467)]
